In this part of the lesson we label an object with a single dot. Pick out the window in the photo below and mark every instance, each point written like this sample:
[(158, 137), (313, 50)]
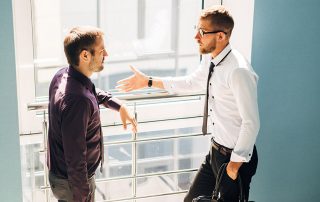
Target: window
[(136, 32)]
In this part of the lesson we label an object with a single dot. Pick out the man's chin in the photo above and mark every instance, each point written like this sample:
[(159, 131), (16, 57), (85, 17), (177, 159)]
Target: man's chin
[(99, 69), (202, 51)]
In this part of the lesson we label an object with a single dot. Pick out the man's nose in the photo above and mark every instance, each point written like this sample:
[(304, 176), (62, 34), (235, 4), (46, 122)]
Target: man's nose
[(197, 36)]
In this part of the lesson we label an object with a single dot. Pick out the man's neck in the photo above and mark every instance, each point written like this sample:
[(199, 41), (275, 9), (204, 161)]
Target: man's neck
[(84, 70), (219, 49)]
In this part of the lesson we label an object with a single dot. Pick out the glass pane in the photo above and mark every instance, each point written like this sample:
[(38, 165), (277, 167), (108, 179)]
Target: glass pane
[(167, 132), (32, 169), (155, 156), (47, 32), (38, 195), (158, 30), (78, 12), (119, 33), (52, 20), (155, 36), (163, 184), (41, 195), (32, 163), (189, 11), (115, 133), (113, 189), (171, 154), (117, 162)]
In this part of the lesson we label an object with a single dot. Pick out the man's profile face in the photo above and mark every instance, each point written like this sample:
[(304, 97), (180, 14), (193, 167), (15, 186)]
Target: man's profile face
[(97, 60), (207, 42)]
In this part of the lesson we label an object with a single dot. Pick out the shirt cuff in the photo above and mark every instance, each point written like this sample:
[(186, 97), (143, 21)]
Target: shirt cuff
[(113, 103), (237, 158), (168, 85), (106, 99)]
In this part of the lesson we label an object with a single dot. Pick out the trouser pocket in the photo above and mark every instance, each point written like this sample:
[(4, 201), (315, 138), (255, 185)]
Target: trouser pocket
[(60, 188)]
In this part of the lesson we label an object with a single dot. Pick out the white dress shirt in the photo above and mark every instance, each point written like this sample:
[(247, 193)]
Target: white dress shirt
[(232, 101)]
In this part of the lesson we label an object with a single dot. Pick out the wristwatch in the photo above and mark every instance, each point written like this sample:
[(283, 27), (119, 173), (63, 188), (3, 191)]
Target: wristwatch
[(150, 82)]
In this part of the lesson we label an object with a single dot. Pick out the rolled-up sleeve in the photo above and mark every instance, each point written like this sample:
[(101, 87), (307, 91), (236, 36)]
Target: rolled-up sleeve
[(106, 99), (243, 84), (76, 113)]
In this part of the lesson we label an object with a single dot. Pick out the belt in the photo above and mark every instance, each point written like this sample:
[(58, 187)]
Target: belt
[(222, 149)]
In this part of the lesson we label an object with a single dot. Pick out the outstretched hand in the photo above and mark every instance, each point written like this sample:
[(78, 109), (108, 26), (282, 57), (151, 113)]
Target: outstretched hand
[(136, 81)]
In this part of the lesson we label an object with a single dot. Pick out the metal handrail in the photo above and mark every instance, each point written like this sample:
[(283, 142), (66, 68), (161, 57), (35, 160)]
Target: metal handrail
[(152, 139), (137, 96)]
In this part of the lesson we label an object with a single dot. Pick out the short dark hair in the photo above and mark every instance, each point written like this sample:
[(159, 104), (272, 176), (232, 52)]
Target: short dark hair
[(79, 39), (219, 17)]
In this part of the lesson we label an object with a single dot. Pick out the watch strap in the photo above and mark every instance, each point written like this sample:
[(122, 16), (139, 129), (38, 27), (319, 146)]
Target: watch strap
[(150, 82)]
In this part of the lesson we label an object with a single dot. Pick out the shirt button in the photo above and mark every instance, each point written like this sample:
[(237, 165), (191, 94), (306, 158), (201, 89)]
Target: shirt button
[(212, 123), (249, 154), (210, 110), (210, 84), (212, 97)]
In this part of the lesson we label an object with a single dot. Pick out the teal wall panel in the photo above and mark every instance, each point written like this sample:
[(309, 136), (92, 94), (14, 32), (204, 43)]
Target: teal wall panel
[(10, 168), (286, 56)]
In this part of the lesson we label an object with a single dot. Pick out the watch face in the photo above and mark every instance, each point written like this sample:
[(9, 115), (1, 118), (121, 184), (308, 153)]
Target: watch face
[(150, 82)]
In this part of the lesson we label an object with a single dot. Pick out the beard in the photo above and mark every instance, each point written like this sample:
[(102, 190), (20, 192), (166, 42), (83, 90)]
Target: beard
[(206, 50), (96, 67), (99, 68), (209, 48)]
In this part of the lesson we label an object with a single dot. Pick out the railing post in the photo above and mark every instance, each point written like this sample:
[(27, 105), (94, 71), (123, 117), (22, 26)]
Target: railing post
[(176, 159), (45, 148), (134, 156)]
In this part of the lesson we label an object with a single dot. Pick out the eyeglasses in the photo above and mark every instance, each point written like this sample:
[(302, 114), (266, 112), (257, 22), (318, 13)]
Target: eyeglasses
[(202, 33)]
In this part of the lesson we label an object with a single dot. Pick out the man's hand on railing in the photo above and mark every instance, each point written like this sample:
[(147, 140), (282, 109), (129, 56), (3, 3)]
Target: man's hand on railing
[(125, 116)]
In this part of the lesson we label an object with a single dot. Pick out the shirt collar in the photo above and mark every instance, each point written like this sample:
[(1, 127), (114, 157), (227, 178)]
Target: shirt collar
[(80, 77), (221, 55)]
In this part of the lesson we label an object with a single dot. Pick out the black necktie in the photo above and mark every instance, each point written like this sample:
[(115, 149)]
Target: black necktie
[(205, 113), (101, 134)]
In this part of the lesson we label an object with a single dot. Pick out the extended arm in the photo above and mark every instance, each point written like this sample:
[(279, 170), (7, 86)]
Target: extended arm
[(137, 81), (194, 82)]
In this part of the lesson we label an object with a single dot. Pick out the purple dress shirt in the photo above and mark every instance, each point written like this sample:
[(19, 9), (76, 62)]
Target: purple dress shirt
[(74, 137)]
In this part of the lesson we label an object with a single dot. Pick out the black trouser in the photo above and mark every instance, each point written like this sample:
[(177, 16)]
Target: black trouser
[(61, 188), (205, 179)]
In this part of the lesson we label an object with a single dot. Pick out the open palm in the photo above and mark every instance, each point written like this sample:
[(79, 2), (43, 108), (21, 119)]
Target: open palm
[(136, 81)]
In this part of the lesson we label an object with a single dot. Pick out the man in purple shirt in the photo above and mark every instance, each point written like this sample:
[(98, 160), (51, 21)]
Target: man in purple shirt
[(75, 137)]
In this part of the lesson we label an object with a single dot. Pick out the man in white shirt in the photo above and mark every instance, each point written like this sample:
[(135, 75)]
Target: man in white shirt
[(231, 103)]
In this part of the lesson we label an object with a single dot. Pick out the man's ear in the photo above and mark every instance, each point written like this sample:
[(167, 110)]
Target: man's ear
[(85, 55), (221, 36)]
